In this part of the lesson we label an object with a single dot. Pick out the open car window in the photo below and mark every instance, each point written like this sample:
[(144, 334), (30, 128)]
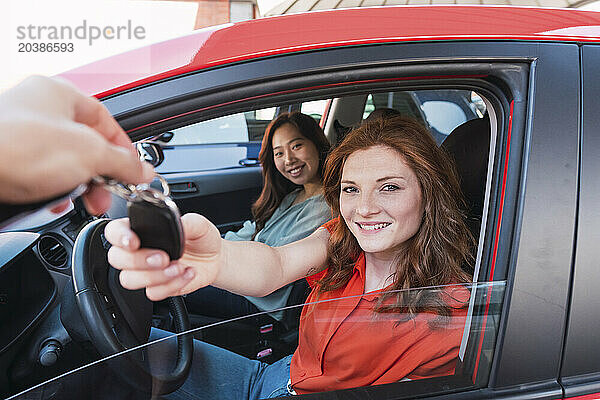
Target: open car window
[(449, 352), (220, 178)]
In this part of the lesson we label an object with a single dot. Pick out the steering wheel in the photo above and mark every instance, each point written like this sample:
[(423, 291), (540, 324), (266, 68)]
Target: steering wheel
[(117, 319)]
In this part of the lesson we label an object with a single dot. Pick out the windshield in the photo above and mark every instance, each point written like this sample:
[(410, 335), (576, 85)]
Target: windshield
[(442, 344)]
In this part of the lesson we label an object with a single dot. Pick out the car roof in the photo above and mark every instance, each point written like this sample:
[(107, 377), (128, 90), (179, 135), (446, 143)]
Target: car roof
[(230, 43)]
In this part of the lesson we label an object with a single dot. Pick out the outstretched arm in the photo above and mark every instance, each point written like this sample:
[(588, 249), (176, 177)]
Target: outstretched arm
[(246, 268)]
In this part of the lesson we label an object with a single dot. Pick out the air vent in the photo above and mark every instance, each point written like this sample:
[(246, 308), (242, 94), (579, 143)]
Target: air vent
[(52, 251)]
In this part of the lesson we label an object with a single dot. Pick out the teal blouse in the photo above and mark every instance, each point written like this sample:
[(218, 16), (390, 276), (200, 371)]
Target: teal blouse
[(288, 224)]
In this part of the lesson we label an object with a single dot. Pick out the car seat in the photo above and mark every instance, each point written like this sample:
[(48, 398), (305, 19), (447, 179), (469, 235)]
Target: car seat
[(261, 337), (468, 144)]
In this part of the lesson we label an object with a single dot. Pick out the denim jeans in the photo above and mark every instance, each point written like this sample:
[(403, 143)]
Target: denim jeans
[(217, 373), (218, 303)]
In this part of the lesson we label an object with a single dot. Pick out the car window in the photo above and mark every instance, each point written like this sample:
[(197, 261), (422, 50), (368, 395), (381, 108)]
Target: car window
[(314, 108), (468, 331), (421, 352), (440, 110), (235, 128), (213, 177), (243, 127), (226, 142), (444, 116)]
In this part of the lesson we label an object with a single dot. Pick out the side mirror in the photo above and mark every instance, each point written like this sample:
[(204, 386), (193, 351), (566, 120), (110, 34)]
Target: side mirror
[(151, 152), (164, 137)]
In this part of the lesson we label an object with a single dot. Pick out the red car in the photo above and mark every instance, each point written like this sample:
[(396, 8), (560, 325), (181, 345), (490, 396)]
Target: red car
[(511, 93)]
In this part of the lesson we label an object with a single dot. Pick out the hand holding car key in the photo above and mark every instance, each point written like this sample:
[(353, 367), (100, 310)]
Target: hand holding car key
[(153, 215)]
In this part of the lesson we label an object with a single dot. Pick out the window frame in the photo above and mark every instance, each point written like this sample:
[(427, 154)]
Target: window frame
[(438, 385)]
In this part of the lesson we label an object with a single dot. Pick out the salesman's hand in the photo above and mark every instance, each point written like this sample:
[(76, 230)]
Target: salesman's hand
[(53, 138)]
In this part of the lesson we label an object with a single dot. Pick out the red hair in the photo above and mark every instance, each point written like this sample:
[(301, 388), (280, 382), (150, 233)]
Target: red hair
[(442, 246)]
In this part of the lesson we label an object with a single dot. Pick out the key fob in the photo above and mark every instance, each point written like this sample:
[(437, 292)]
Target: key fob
[(157, 223)]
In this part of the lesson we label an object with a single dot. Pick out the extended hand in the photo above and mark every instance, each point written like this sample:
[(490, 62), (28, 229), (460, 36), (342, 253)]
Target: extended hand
[(151, 268)]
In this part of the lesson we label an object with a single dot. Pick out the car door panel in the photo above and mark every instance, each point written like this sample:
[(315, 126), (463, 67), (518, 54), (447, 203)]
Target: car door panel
[(532, 340), (581, 358), (223, 196)]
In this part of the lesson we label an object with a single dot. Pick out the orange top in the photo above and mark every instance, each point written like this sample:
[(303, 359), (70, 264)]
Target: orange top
[(344, 344)]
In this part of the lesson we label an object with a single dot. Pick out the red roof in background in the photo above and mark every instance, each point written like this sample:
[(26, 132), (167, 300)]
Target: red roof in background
[(297, 32)]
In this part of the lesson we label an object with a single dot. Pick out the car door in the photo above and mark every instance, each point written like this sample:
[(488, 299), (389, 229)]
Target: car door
[(532, 146), (580, 372)]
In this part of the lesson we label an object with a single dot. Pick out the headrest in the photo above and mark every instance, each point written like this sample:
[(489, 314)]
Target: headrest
[(469, 145)]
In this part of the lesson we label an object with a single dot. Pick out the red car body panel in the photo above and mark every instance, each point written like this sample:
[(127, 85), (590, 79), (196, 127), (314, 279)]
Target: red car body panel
[(224, 44)]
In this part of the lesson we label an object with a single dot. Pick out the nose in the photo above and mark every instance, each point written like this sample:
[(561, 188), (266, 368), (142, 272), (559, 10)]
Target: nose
[(288, 156), (367, 205)]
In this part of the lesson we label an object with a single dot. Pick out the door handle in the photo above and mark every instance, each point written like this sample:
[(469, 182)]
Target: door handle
[(183, 188), (249, 162)]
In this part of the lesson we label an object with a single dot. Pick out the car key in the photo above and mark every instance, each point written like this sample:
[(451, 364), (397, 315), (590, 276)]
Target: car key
[(153, 215)]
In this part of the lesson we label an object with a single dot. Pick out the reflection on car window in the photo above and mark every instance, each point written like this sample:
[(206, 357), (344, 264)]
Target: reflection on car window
[(414, 352), (478, 104), (369, 107), (264, 114)]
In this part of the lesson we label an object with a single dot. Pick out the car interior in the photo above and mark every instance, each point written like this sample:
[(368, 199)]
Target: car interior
[(221, 178)]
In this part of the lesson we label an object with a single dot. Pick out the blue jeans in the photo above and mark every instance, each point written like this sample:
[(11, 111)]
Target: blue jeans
[(217, 373), (218, 303)]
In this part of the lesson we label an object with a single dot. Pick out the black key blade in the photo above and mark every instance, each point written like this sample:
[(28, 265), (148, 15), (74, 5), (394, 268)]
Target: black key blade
[(157, 225)]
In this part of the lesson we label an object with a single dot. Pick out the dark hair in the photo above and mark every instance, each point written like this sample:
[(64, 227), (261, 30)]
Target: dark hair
[(275, 185), (435, 255)]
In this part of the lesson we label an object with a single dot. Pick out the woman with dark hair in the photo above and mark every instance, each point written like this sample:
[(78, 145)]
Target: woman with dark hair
[(388, 300), (291, 206)]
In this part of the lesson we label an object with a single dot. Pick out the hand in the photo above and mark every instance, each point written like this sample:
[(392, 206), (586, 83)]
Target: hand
[(53, 138), (150, 268)]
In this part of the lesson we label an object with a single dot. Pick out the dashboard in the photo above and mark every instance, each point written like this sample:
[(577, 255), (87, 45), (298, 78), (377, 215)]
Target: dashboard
[(26, 287), (35, 270)]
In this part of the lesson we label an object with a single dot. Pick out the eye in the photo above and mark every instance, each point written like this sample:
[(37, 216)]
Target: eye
[(297, 146), (390, 188), (278, 154), (349, 189)]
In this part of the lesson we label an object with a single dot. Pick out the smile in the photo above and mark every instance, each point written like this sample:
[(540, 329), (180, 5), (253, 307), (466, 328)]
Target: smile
[(296, 171), (373, 227)]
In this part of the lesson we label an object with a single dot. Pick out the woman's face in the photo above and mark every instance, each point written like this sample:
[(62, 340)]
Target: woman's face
[(380, 199), (296, 157)]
